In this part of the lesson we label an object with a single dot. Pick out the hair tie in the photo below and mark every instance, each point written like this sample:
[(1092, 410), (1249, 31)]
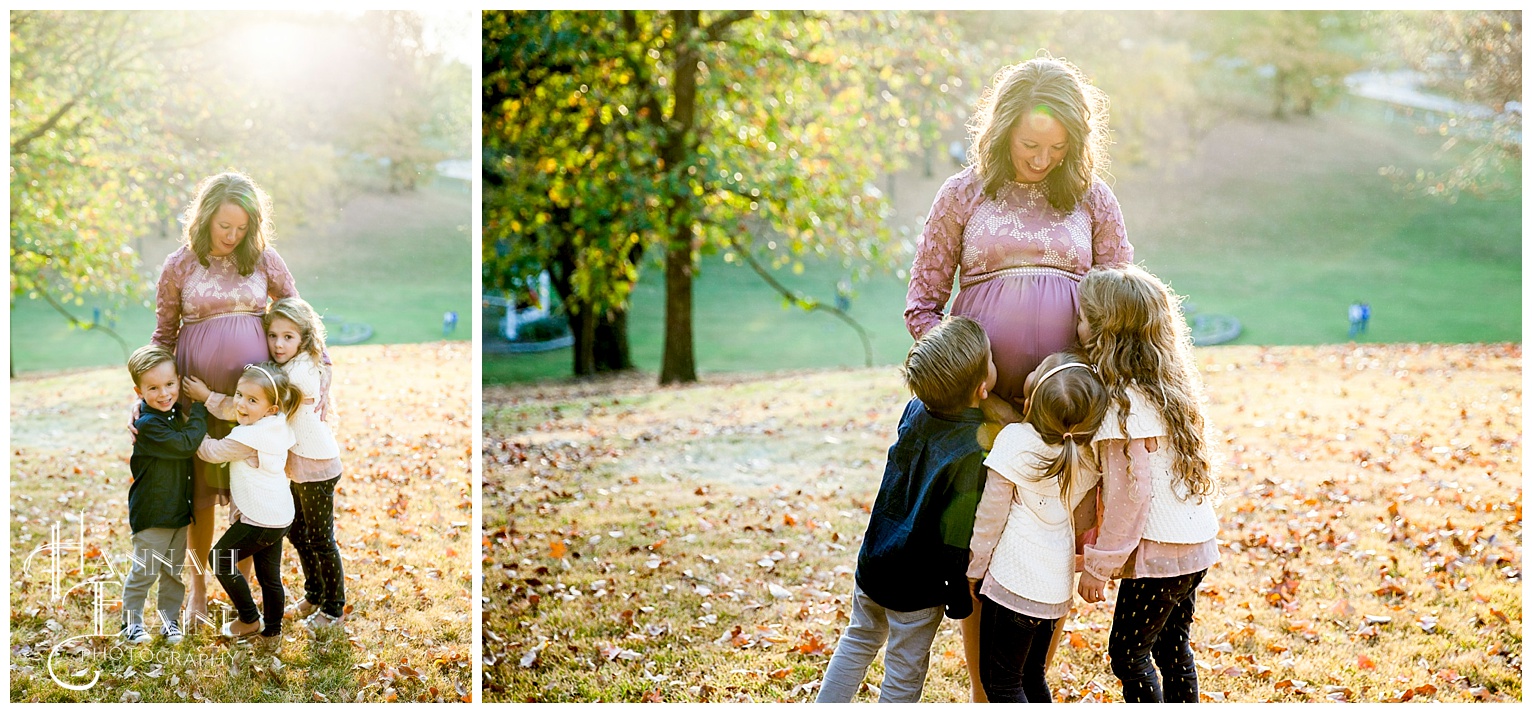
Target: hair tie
[(262, 369), (1039, 383)]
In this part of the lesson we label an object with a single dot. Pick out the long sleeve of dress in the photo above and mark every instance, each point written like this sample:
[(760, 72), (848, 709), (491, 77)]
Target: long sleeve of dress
[(938, 253), (167, 304), (1109, 236), (279, 281), (1125, 508), (989, 523)]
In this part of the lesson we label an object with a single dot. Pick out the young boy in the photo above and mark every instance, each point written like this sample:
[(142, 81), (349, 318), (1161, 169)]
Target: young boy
[(915, 553), (159, 500)]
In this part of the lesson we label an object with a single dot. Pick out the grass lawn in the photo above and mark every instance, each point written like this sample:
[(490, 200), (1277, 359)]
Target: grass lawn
[(1281, 224), (697, 543), (394, 261), (403, 520)]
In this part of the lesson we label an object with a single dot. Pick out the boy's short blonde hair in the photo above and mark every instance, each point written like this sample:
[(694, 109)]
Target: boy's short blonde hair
[(946, 366), (145, 358)]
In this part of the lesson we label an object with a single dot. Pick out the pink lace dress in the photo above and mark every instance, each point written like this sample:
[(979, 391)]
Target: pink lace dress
[(210, 316), (1018, 263)]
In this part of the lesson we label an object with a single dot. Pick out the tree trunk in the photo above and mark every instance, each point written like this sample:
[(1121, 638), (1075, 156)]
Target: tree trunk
[(611, 348), (679, 364), (583, 325), (1279, 108)]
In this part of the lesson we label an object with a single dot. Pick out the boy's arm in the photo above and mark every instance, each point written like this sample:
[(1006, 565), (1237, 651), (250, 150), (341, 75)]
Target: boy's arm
[(989, 522), (170, 438), (962, 499), (967, 482)]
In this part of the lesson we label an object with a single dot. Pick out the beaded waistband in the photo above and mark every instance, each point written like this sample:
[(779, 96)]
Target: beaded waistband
[(185, 321), (1023, 271)]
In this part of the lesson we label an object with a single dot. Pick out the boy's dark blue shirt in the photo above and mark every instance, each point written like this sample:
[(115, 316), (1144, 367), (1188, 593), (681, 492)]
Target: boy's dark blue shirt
[(161, 493), (915, 553)]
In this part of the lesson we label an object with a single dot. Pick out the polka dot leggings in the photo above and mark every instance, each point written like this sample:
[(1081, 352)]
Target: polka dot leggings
[(313, 537), (1154, 620)]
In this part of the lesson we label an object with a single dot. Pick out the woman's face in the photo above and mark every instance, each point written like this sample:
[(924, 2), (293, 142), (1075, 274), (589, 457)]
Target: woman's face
[(1038, 145), (227, 229)]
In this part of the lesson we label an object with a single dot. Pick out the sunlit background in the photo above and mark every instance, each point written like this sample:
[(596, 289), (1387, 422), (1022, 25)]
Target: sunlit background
[(1274, 167), (357, 125)]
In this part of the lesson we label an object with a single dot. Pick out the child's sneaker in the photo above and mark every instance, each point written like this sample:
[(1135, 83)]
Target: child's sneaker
[(134, 634), (300, 609), (170, 631), (321, 621)]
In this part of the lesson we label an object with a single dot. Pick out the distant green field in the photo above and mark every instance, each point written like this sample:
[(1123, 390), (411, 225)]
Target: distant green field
[(1281, 224), (396, 262)]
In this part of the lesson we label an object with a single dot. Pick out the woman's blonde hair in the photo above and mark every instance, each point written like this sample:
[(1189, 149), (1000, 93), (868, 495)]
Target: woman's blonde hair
[(212, 194), (1065, 409), (1059, 88), (279, 389), (311, 334), (1139, 337)]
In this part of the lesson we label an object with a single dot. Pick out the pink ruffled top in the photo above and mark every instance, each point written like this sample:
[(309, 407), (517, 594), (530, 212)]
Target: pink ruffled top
[(977, 237), (189, 292)]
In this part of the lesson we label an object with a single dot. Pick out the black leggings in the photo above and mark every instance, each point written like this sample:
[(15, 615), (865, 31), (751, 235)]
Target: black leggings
[(313, 537), (1013, 654), (1154, 619), (263, 545)]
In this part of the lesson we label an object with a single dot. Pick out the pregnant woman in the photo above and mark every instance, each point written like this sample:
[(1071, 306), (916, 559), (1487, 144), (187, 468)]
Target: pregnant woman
[(211, 295), (1018, 228)]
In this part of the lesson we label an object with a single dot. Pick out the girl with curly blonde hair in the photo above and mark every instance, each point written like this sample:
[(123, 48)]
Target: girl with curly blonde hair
[(1157, 525)]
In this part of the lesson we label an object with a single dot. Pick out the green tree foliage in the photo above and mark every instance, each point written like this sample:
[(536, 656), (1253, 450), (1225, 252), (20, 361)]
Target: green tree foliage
[(607, 133), (115, 116), (1472, 56), (1299, 57)]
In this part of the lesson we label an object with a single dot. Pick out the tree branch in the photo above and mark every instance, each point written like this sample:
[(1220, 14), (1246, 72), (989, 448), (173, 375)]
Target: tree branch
[(715, 29), (807, 303), (82, 324)]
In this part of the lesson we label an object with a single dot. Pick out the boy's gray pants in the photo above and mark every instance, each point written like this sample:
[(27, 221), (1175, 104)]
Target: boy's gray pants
[(909, 636), (158, 553)]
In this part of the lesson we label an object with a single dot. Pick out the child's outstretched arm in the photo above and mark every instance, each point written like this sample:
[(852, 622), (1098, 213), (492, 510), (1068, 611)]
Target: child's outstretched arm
[(219, 405), (161, 437), (224, 450), (1125, 509)]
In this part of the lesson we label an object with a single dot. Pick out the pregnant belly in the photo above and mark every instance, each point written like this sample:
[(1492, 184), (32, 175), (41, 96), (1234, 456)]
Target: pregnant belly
[(1027, 317)]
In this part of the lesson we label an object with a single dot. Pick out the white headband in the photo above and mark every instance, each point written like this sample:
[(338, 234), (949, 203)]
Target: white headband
[(1039, 384), (273, 379)]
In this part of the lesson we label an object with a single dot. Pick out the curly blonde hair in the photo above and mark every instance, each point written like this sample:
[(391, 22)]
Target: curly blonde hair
[(1061, 89), (310, 327), (212, 194), (1139, 337)]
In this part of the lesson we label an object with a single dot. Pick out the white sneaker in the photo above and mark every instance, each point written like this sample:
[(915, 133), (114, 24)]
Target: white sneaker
[(134, 634), (321, 621), (170, 631)]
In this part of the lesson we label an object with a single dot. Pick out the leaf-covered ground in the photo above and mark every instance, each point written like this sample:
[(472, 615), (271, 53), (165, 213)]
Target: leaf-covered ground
[(697, 544), (403, 521)]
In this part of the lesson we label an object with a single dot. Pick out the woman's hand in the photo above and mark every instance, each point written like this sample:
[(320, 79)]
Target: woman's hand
[(195, 389), (132, 419), (1091, 589)]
